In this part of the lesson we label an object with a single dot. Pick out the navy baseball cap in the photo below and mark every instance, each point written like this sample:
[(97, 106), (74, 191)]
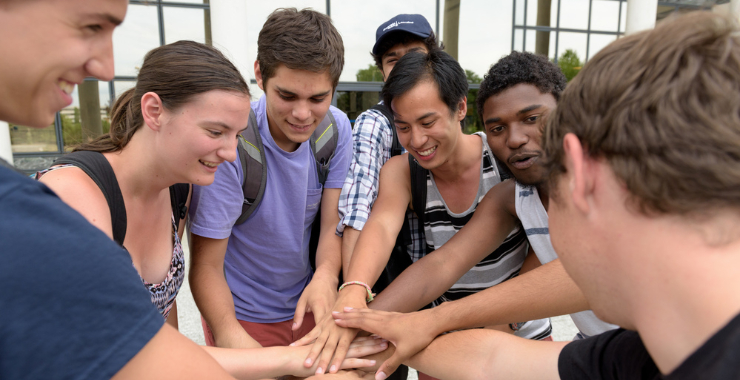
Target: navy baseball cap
[(414, 24)]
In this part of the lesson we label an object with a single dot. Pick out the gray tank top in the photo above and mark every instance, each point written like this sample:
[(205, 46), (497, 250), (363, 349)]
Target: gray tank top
[(534, 219), (441, 224)]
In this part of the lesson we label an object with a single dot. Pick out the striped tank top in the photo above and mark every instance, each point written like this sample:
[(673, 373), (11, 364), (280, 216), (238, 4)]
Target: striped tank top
[(440, 224)]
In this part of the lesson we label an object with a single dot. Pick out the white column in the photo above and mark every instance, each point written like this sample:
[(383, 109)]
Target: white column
[(641, 15), (229, 33), (6, 153), (735, 6)]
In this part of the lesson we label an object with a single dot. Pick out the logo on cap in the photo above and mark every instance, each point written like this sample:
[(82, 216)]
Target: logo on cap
[(395, 24)]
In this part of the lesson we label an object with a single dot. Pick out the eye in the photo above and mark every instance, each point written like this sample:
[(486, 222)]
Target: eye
[(285, 97), (427, 123), (401, 128), (496, 129), (318, 100), (532, 119), (94, 28), (215, 133)]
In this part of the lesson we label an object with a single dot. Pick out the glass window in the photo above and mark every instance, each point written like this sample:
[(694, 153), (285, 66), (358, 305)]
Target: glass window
[(187, 1), (519, 16), (572, 41), (598, 42), (623, 18), (33, 140), (184, 24), (519, 40), (138, 34), (574, 14), (484, 35), (605, 15), (121, 86)]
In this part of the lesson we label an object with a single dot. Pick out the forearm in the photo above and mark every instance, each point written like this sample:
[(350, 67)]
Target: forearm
[(213, 298), (543, 292), (485, 354), (349, 240), (329, 250), (252, 363)]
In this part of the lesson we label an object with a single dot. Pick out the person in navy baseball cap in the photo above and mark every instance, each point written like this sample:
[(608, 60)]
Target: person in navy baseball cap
[(413, 24)]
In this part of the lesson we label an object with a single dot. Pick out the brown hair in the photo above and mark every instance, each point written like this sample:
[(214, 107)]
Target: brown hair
[(302, 40), (176, 72), (662, 107)]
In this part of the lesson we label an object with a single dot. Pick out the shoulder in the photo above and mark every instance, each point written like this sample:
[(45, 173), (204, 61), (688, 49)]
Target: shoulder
[(619, 353), (396, 171), (81, 193)]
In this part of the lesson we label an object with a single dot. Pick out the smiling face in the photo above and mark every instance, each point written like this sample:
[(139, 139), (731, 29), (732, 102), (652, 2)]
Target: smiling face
[(395, 53), (425, 126), (513, 122), (202, 134), (49, 46), (297, 101)]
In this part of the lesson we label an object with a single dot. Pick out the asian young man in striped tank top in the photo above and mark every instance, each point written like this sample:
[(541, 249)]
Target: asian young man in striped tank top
[(514, 98), (427, 94)]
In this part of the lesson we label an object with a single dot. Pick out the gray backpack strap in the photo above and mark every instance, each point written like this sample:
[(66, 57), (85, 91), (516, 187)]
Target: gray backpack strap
[(252, 157), (323, 145)]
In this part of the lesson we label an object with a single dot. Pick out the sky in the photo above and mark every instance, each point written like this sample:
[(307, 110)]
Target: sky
[(485, 33)]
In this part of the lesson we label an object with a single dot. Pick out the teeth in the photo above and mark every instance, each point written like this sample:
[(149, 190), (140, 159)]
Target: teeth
[(209, 164), (66, 86), (428, 151)]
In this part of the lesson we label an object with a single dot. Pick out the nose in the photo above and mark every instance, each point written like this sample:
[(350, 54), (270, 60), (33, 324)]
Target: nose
[(517, 137), (100, 65), (301, 111), (228, 150), (418, 137)]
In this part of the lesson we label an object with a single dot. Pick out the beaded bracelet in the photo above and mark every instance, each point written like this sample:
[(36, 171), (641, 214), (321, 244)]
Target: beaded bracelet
[(370, 295)]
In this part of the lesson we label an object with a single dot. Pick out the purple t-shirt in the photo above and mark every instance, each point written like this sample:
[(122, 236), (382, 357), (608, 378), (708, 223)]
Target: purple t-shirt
[(266, 264)]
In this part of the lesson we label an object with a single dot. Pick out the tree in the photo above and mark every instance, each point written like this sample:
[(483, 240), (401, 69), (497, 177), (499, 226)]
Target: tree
[(370, 74), (570, 63), (472, 121)]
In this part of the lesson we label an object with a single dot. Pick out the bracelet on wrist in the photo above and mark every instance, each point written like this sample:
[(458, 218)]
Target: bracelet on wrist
[(370, 295)]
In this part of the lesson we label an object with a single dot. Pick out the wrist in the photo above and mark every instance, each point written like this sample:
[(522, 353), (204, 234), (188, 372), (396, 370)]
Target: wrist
[(352, 296), (360, 285)]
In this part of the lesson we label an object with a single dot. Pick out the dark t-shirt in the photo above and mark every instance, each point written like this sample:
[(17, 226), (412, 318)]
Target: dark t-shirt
[(71, 303), (620, 354)]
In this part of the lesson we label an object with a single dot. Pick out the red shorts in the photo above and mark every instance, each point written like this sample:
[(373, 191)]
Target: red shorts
[(268, 334)]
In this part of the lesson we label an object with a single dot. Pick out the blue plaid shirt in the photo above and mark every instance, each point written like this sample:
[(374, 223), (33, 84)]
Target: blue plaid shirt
[(372, 139)]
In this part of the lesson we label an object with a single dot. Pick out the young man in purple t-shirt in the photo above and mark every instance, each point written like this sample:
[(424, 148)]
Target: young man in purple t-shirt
[(253, 282)]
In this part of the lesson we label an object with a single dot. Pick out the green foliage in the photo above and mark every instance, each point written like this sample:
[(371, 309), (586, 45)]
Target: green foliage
[(472, 120), (371, 74), (570, 63)]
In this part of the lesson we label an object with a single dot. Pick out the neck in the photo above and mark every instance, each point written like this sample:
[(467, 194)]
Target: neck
[(687, 290), (137, 171)]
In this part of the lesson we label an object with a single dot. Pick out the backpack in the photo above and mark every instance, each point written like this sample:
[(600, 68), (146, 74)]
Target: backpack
[(254, 166), (99, 170), (251, 152)]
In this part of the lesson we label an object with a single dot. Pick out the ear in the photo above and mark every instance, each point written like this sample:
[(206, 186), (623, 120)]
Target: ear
[(152, 110), (578, 175), (462, 108), (258, 75)]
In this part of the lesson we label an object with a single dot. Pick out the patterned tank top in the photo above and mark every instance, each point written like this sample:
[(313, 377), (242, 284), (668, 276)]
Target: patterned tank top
[(504, 263), (162, 294)]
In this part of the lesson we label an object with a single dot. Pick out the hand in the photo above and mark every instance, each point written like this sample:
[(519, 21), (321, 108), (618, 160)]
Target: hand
[(357, 354), (330, 340), (318, 297), (409, 333), (344, 375)]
